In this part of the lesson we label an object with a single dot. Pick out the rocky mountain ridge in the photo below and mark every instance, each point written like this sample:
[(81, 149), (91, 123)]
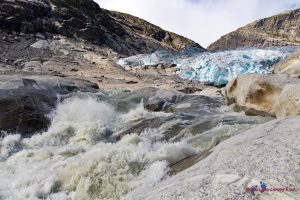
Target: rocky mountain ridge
[(279, 30), (84, 19)]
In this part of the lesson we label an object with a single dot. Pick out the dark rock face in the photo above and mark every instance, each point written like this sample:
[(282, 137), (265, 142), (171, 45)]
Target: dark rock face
[(141, 27), (26, 101), (279, 30), (84, 19), (69, 18)]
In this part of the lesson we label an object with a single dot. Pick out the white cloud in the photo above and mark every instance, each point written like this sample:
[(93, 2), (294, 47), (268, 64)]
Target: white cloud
[(201, 20)]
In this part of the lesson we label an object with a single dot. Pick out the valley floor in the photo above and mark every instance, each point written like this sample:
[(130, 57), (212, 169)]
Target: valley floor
[(76, 125)]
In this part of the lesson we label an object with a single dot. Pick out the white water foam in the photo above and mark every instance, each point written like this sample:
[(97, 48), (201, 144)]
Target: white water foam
[(73, 160), (9, 145)]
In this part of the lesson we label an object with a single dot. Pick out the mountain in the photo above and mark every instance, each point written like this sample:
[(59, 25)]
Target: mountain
[(279, 30), (79, 40), (84, 19), (144, 29)]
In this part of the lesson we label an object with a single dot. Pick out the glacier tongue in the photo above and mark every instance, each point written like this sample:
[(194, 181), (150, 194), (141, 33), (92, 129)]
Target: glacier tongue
[(212, 68), (219, 68)]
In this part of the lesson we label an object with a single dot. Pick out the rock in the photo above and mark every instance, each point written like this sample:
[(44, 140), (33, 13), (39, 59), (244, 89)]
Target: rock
[(288, 103), (274, 95), (25, 101), (131, 82), (190, 90), (278, 30), (20, 49), (269, 153), (9, 61), (211, 92), (290, 66), (35, 66), (19, 62), (84, 19), (161, 100), (64, 52), (183, 113), (40, 36), (165, 66), (41, 44)]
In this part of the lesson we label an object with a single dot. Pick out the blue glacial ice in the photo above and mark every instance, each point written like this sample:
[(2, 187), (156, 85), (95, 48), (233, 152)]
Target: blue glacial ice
[(219, 68), (213, 68)]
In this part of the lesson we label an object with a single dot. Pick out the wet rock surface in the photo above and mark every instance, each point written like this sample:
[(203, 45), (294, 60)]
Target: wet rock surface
[(183, 109), (198, 119), (233, 166), (27, 100)]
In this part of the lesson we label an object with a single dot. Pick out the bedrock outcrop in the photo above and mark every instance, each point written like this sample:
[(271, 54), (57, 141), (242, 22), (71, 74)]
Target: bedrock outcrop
[(277, 95), (290, 66), (268, 153), (84, 19), (279, 30)]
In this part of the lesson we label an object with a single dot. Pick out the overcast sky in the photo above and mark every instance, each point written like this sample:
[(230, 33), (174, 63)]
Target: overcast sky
[(204, 21)]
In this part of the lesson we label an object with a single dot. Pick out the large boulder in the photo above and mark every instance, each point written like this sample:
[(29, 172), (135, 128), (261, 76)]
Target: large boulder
[(290, 66), (161, 100), (25, 101), (276, 95), (266, 156)]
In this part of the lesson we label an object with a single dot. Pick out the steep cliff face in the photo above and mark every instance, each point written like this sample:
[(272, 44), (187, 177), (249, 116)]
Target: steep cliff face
[(84, 19), (279, 30)]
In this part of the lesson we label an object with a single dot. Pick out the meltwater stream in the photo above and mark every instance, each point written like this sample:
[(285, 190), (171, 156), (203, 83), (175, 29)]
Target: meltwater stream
[(85, 154)]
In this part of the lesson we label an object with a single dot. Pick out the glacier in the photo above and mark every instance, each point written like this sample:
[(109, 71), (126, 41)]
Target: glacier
[(213, 68)]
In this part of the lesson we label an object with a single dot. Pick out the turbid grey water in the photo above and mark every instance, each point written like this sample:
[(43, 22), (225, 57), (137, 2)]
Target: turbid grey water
[(105, 144)]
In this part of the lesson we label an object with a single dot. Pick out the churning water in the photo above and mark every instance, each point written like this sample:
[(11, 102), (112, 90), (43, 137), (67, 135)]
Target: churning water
[(80, 157)]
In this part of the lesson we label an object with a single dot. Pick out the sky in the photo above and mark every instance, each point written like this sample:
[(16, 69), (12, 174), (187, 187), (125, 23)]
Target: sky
[(203, 21)]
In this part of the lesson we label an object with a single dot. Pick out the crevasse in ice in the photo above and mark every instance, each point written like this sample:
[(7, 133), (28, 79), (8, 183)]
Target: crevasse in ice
[(213, 68)]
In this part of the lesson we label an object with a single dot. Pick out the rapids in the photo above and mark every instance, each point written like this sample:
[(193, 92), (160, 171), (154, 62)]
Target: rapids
[(107, 146)]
